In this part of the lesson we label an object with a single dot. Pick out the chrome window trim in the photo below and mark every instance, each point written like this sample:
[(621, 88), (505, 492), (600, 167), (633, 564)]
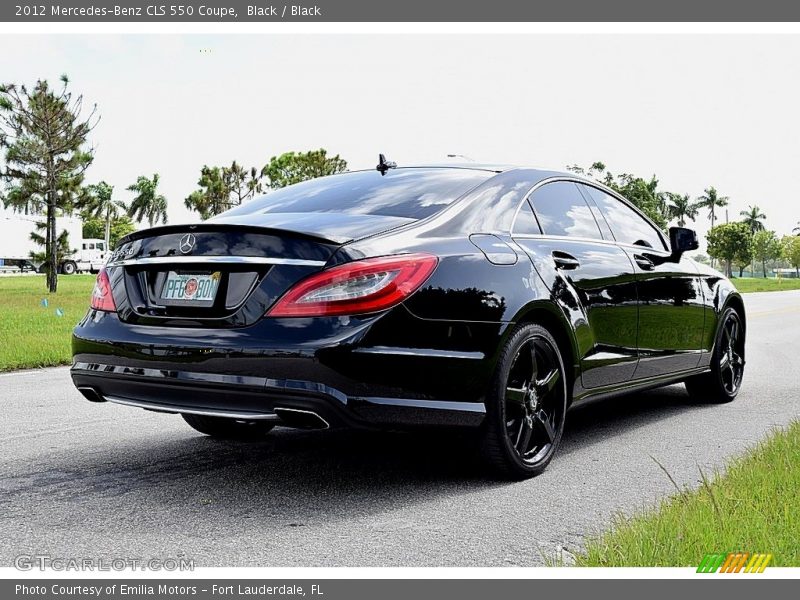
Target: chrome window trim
[(635, 209), (535, 217), (240, 260), (529, 198), (573, 239), (602, 188), (585, 240)]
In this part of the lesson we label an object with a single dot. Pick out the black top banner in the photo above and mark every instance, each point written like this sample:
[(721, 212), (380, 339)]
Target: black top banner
[(402, 11)]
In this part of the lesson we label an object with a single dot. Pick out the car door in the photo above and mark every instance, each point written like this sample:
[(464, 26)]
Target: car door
[(671, 306), (590, 277)]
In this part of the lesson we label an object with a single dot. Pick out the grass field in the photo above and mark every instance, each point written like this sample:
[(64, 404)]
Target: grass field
[(753, 507), (32, 335), (760, 284)]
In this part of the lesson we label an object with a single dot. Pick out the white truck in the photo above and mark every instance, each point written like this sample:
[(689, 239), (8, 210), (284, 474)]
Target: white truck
[(16, 245)]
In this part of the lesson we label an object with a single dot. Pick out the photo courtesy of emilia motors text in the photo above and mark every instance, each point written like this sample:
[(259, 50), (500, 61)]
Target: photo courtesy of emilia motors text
[(347, 299)]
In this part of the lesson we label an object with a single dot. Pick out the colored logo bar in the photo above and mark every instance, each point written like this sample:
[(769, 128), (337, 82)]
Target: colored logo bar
[(734, 562)]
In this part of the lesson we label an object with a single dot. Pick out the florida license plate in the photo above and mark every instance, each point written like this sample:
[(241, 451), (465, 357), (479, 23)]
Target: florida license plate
[(192, 288)]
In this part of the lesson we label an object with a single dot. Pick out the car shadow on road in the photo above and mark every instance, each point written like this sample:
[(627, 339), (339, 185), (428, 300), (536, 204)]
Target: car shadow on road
[(594, 422), (299, 477)]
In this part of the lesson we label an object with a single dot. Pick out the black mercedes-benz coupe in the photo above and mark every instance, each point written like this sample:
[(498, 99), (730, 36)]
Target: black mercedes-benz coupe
[(456, 296)]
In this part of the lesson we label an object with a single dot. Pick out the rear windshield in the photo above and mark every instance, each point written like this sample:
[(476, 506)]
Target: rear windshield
[(409, 193)]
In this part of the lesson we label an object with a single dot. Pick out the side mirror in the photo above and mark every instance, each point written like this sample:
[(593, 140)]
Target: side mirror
[(682, 240)]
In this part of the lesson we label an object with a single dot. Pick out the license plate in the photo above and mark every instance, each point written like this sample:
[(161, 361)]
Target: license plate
[(192, 288)]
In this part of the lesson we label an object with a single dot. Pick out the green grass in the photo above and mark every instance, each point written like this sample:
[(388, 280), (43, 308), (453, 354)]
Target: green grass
[(32, 335), (752, 507), (760, 284)]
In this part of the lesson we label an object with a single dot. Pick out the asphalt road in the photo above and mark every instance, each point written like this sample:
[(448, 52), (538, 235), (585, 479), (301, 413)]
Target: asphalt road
[(81, 479)]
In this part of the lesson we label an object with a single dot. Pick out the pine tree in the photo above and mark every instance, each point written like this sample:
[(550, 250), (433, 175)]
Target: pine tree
[(44, 136)]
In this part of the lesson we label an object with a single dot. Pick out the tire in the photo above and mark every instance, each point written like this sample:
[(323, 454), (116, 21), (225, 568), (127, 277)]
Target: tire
[(723, 382), (524, 423), (229, 429), (69, 268)]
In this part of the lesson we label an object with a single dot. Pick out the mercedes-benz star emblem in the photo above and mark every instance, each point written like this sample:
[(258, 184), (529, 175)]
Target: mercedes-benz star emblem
[(186, 244)]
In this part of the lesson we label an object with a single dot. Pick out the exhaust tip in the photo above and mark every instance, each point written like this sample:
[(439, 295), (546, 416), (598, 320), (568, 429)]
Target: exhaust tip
[(301, 419), (91, 394)]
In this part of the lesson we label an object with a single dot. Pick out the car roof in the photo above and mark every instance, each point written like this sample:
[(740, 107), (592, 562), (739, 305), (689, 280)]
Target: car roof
[(490, 207), (543, 172), (470, 166)]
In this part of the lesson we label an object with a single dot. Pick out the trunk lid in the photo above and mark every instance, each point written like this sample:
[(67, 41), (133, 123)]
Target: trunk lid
[(248, 260)]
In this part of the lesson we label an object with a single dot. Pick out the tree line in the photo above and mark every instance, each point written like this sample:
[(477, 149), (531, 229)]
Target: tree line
[(44, 134), (223, 188), (736, 244)]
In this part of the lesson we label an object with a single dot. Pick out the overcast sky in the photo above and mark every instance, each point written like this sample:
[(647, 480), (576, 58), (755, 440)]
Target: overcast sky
[(695, 110)]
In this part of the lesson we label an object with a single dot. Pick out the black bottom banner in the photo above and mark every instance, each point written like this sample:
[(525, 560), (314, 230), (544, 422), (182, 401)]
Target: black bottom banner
[(390, 589)]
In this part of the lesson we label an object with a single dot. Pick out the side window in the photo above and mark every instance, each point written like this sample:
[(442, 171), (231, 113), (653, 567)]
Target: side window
[(629, 227), (91, 246), (598, 216), (101, 246), (525, 223), (562, 210)]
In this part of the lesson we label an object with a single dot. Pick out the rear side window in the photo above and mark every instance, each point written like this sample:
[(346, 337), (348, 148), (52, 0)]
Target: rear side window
[(525, 223), (605, 230), (629, 227), (562, 210), (410, 193)]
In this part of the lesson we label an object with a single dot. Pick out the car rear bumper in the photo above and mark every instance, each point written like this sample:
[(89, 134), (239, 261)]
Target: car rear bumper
[(290, 401), (323, 376)]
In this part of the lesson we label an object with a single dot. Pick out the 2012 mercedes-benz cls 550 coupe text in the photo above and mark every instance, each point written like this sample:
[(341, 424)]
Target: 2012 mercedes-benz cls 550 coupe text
[(466, 296)]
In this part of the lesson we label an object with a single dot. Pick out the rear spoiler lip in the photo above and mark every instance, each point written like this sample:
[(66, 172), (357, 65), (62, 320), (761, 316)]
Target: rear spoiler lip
[(192, 227), (215, 259)]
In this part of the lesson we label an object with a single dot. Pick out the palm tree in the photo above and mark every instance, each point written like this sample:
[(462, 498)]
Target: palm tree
[(712, 201), (99, 204), (752, 218), (148, 203), (681, 207)]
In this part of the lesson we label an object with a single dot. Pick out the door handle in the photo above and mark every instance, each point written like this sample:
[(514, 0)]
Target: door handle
[(644, 263), (565, 261)]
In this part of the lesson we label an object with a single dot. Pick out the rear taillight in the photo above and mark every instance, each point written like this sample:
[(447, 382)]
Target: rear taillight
[(101, 294), (359, 287)]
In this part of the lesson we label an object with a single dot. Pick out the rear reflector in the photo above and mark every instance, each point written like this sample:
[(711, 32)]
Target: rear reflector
[(101, 294), (359, 287)]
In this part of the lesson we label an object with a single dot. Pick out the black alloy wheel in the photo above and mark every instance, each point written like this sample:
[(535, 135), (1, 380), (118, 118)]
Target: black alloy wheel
[(731, 359), (527, 406), (723, 382)]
